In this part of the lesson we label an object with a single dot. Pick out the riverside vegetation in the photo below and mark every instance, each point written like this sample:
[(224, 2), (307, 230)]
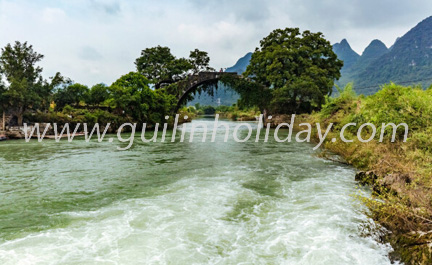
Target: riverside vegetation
[(234, 112), (27, 97), (399, 173)]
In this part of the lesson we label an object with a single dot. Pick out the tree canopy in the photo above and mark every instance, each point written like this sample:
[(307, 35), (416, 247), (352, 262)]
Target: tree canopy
[(158, 64), (298, 68), (72, 94), (290, 72), (26, 88), (200, 61), (98, 94), (131, 95)]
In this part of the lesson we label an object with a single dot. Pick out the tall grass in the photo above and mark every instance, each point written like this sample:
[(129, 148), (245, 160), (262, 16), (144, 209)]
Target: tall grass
[(402, 171)]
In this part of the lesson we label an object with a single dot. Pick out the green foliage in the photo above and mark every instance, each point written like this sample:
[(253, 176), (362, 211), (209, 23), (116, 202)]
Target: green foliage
[(155, 63), (209, 110), (252, 94), (401, 172), (224, 108), (18, 62), (200, 61), (130, 95), (3, 99), (192, 109), (158, 65), (70, 95), (399, 104), (392, 104), (98, 94), (423, 140), (346, 97), (236, 113), (298, 67), (231, 112), (203, 110), (26, 88), (74, 116)]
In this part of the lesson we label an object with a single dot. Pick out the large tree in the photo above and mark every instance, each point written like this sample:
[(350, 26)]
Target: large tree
[(131, 96), (159, 66), (200, 61), (299, 69), (25, 85), (155, 63)]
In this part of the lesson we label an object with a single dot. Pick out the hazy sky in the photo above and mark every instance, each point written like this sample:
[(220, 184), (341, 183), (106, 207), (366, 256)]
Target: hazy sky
[(94, 41)]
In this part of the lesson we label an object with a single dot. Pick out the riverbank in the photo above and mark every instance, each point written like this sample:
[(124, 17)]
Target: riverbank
[(236, 114), (233, 113), (399, 173), (81, 117)]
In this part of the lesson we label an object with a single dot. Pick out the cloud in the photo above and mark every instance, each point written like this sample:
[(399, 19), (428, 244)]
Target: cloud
[(89, 53), (50, 15), (249, 11), (111, 7), (360, 21), (95, 41)]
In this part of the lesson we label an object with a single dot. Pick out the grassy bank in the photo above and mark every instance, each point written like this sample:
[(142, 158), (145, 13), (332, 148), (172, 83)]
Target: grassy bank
[(399, 172), (228, 112), (237, 114)]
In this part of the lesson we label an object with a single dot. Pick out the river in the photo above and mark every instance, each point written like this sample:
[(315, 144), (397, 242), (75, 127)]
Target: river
[(179, 203)]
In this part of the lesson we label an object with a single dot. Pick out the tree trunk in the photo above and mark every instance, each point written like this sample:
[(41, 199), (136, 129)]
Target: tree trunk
[(265, 113), (4, 121), (20, 114), (20, 119)]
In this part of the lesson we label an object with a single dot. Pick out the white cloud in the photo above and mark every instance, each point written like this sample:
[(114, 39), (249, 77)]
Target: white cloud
[(51, 15), (95, 41)]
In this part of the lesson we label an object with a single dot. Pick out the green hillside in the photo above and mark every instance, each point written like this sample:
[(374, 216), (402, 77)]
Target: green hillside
[(408, 61)]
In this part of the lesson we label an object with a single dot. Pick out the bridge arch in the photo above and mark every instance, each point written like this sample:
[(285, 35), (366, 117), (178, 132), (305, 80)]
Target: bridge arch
[(192, 82)]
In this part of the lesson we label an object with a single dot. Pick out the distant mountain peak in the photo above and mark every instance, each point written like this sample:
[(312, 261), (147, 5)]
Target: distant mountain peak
[(427, 20), (346, 54), (375, 49), (241, 64), (377, 42), (410, 58), (344, 42)]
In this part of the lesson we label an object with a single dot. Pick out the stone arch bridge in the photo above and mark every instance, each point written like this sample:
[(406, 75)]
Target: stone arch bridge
[(192, 82)]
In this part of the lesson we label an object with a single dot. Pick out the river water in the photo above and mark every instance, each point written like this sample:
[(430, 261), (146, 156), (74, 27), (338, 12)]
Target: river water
[(179, 203)]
